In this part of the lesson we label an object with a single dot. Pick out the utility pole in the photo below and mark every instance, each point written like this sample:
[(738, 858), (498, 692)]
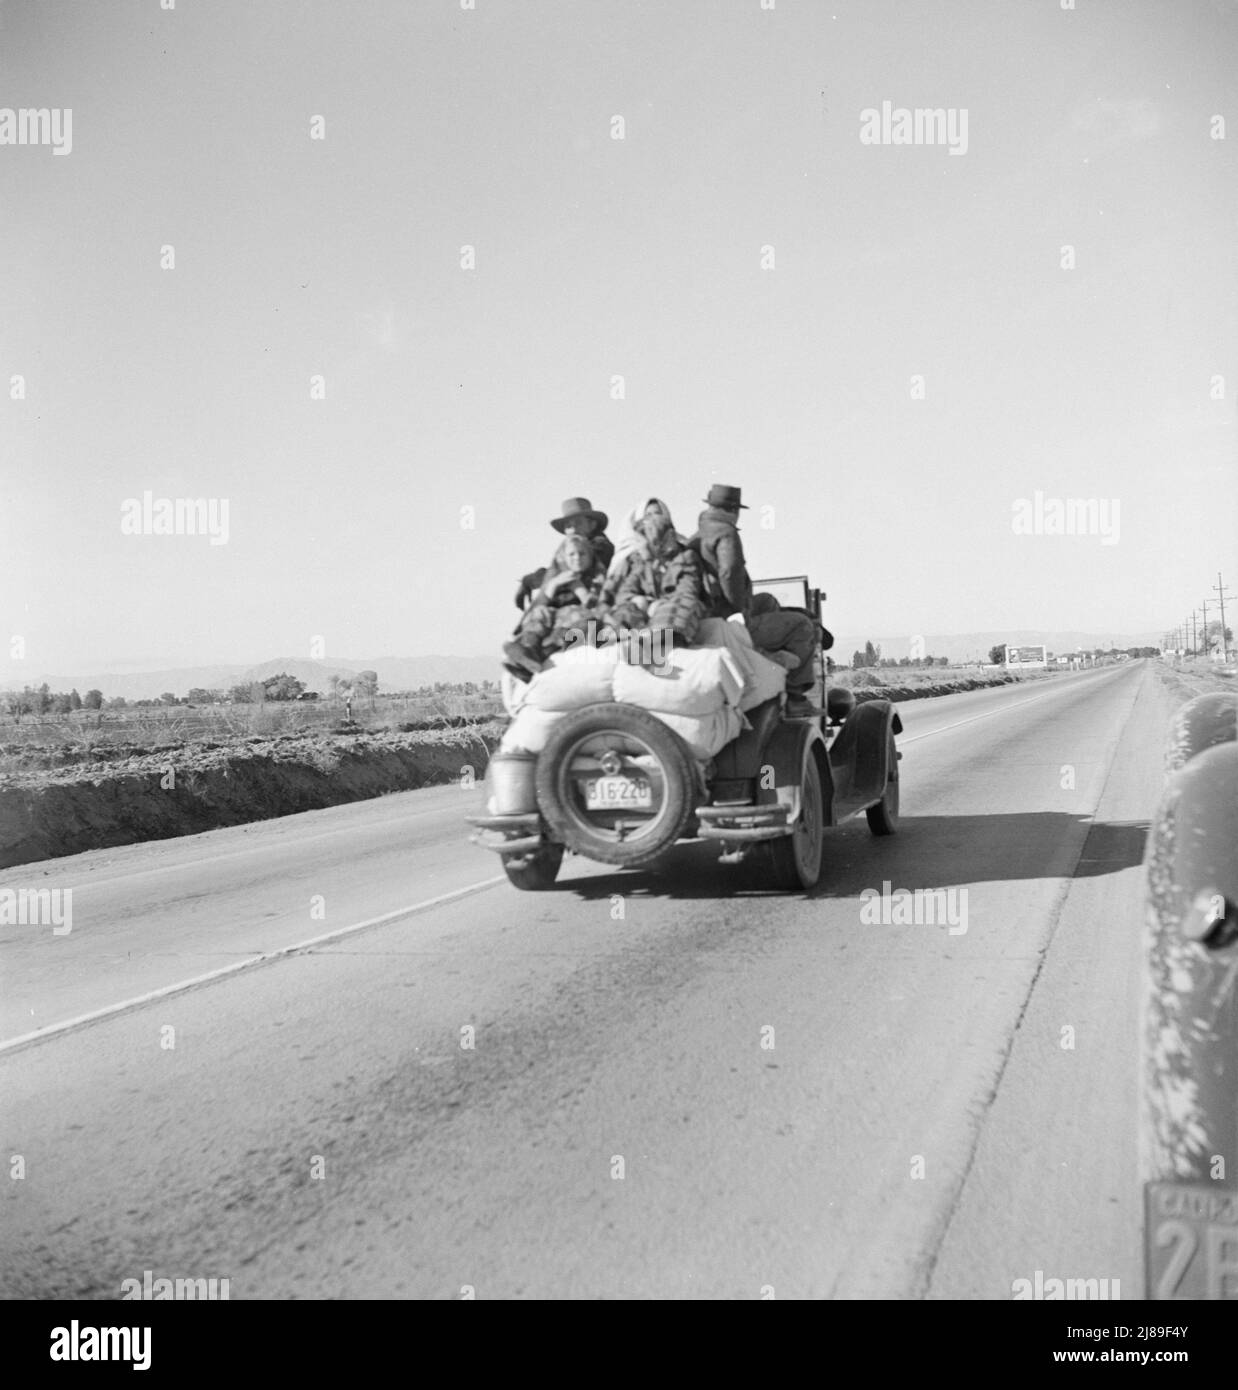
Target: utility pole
[(1204, 606), (1219, 588), (1194, 634)]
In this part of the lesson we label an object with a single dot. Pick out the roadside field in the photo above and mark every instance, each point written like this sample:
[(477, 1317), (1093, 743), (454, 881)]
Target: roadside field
[(103, 736)]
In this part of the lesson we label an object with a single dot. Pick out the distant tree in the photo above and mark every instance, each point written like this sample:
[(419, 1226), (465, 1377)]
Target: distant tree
[(93, 699), (61, 703), (333, 686), (282, 687), (997, 655), (198, 695), (872, 655), (857, 660), (75, 700), (118, 702), (366, 683), (904, 661), (40, 699), (942, 660), (241, 694), (168, 698)]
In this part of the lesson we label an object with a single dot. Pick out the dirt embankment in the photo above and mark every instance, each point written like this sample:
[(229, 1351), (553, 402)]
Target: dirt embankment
[(132, 795)]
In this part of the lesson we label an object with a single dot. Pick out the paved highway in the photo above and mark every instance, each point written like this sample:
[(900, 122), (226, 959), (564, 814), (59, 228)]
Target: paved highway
[(337, 1055)]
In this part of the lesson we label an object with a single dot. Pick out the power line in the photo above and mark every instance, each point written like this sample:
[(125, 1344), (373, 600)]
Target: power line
[(1219, 589)]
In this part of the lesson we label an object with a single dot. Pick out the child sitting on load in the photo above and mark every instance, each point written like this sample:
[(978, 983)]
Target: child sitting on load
[(564, 602)]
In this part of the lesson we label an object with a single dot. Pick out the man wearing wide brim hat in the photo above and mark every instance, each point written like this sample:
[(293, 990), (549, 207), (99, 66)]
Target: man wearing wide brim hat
[(577, 518), (727, 586), (728, 590), (573, 510)]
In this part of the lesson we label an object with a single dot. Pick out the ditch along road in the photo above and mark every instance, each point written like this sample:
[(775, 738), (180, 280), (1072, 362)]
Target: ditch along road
[(678, 1085)]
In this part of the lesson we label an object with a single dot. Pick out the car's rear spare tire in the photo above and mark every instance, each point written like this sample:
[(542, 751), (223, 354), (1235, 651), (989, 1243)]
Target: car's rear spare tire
[(615, 784)]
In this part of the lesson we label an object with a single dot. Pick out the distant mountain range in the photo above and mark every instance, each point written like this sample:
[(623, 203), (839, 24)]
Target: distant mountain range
[(410, 672)]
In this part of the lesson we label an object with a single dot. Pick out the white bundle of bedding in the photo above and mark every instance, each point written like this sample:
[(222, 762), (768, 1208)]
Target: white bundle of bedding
[(705, 734), (691, 681), (700, 692), (762, 678)]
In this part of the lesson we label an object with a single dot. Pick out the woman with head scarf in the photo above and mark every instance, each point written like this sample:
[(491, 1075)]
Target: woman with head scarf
[(631, 537), (654, 580)]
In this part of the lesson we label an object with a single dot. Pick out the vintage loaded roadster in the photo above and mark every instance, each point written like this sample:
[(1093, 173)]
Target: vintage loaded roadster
[(647, 761)]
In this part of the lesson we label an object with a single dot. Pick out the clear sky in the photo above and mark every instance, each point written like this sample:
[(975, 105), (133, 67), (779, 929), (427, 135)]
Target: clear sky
[(491, 388)]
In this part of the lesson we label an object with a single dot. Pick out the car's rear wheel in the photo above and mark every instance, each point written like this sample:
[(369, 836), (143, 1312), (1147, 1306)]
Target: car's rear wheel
[(883, 817), (615, 784), (795, 861), (534, 873)]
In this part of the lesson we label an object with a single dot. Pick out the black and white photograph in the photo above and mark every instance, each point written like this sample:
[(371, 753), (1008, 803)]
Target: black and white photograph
[(618, 675)]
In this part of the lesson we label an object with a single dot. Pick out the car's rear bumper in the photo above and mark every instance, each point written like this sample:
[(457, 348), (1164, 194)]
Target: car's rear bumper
[(744, 824), (519, 834)]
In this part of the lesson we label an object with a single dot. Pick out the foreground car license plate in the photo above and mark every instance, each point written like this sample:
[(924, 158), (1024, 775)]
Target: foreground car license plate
[(618, 793), (1191, 1235)]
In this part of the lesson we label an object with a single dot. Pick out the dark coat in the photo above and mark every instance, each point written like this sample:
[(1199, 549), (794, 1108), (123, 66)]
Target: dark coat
[(674, 578), (727, 586)]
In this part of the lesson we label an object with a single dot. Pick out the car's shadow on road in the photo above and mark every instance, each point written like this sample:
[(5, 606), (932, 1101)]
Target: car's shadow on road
[(927, 852)]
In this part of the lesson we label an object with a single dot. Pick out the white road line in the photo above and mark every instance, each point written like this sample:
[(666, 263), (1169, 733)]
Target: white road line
[(265, 958), (988, 714)]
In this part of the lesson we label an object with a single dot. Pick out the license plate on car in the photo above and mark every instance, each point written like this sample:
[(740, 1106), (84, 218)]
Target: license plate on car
[(618, 794), (1191, 1235)]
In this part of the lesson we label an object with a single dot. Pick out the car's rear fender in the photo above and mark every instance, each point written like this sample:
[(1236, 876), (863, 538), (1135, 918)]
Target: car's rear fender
[(778, 778)]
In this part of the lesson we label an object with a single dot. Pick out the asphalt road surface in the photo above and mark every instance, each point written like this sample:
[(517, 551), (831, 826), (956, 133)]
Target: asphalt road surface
[(678, 1083)]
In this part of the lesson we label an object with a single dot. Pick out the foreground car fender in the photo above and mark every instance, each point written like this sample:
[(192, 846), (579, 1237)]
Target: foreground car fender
[(1189, 1027), (1191, 1000)]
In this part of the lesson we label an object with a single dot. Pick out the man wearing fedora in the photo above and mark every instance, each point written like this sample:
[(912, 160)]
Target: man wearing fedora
[(578, 518), (728, 590)]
